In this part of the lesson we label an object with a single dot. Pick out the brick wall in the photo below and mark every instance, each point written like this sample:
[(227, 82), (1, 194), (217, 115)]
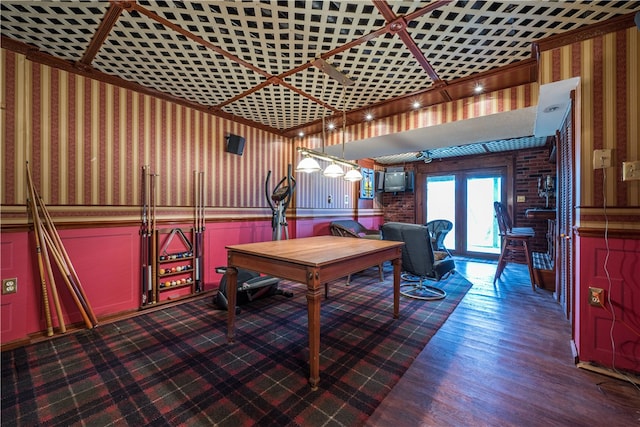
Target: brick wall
[(530, 165), (399, 207)]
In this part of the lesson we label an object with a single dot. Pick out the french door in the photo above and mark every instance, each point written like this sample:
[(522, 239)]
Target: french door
[(466, 199)]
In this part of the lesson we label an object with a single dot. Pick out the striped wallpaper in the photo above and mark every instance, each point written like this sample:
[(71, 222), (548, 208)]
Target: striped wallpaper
[(87, 141), (608, 99)]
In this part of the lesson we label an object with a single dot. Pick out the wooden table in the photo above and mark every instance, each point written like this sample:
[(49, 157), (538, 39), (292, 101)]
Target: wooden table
[(314, 261)]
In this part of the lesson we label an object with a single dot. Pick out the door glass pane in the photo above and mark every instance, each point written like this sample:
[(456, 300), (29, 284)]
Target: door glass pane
[(482, 229), (441, 203)]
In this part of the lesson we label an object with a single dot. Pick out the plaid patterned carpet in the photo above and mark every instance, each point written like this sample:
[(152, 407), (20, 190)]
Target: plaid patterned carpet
[(174, 367)]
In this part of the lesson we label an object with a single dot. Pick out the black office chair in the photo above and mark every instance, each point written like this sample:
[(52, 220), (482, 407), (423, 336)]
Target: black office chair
[(439, 228), (418, 261)]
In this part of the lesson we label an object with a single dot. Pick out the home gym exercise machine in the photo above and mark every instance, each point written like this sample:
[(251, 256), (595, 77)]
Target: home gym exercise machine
[(252, 286), (278, 201)]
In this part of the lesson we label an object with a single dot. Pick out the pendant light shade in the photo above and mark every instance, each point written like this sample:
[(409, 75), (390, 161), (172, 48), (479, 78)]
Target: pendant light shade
[(333, 171), (353, 175), (308, 165)]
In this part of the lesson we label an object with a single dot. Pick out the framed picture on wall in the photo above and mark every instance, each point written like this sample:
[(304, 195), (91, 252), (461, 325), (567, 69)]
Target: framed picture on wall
[(367, 185)]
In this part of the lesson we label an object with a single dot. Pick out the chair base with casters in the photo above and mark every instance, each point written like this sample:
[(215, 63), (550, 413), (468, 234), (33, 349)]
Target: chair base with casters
[(418, 261), (418, 289)]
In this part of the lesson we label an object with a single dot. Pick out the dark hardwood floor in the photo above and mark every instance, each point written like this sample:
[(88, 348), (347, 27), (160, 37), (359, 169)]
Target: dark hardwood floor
[(503, 358)]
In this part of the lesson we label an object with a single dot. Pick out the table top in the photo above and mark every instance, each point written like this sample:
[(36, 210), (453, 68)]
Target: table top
[(315, 251)]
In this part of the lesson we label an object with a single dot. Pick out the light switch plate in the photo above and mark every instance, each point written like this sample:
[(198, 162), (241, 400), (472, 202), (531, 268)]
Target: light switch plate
[(631, 171), (602, 158), (520, 199)]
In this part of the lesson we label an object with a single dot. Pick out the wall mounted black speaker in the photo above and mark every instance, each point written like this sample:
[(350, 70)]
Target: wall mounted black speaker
[(379, 181), (409, 181), (235, 144)]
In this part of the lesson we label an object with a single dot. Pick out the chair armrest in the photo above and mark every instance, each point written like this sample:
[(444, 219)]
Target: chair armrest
[(339, 230)]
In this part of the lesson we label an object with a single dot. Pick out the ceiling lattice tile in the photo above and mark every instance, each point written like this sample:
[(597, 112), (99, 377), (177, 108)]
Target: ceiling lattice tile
[(382, 68), (62, 29), (141, 50), (273, 36), (283, 108)]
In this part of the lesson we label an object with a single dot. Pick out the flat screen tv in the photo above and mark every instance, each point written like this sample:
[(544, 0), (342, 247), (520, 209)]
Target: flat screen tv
[(394, 182)]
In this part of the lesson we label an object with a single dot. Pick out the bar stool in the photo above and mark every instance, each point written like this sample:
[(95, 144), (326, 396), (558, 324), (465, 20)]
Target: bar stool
[(515, 243)]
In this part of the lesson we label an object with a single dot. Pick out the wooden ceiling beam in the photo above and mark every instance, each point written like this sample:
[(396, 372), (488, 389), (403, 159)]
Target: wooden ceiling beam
[(109, 20)]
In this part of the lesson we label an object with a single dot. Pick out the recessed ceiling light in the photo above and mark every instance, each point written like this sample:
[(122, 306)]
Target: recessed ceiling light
[(416, 104), (331, 126), (479, 88), (369, 117), (301, 134)]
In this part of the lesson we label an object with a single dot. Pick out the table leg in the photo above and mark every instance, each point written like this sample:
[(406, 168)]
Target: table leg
[(313, 309), (397, 267), (232, 287)]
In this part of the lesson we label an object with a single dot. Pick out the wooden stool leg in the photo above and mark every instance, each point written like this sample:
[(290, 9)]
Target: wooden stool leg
[(529, 264), (501, 262)]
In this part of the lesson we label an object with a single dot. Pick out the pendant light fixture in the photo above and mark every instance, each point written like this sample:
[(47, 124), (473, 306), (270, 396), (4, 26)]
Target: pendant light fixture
[(333, 170), (354, 174), (309, 164)]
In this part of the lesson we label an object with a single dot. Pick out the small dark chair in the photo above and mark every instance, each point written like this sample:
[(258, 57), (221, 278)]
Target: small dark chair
[(439, 228), (515, 243), (418, 260), (352, 228)]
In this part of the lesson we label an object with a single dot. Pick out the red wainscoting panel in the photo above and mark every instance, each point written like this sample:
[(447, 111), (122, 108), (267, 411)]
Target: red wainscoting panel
[(617, 271), (219, 235), (20, 312), (107, 261)]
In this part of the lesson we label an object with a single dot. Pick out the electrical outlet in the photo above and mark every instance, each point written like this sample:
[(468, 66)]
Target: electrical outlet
[(9, 286), (631, 170), (329, 199), (520, 199), (596, 297), (346, 199), (602, 158)]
